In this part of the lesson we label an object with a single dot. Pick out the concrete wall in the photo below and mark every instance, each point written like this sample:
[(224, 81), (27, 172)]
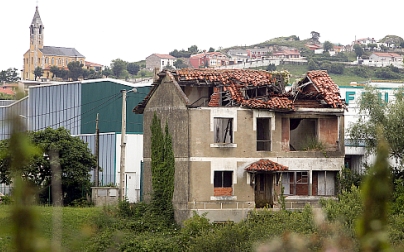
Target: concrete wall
[(103, 196), (169, 106)]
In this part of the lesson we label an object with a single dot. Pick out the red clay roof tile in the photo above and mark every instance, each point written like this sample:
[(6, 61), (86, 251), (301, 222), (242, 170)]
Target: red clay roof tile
[(265, 165)]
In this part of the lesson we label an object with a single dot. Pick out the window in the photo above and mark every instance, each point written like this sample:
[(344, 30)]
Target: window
[(303, 134), (223, 182), (223, 130), (296, 183), (162, 62), (53, 61), (263, 134), (302, 178)]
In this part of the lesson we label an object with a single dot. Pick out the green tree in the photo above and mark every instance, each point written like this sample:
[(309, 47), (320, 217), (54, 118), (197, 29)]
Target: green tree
[(85, 74), (133, 68), (55, 71), (211, 49), (358, 50), (327, 46), (179, 64), (313, 65), (376, 192), (9, 75), (75, 158), (38, 72), (375, 113), (118, 66), (193, 49), (162, 166), (271, 67), (107, 72), (75, 70), (64, 74)]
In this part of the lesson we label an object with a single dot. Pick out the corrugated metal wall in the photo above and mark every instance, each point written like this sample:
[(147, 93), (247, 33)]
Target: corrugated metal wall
[(105, 98), (55, 106), (107, 142), (19, 108)]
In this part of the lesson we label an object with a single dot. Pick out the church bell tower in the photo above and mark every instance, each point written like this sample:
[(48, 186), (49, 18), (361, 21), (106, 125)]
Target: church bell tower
[(36, 31)]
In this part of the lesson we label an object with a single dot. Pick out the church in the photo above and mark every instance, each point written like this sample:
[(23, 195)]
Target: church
[(45, 57)]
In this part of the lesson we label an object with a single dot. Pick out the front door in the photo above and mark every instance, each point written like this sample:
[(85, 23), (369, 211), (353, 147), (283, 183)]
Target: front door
[(263, 190)]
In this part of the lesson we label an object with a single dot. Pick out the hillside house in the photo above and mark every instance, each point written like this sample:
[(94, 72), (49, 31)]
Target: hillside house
[(239, 137), (258, 53), (385, 59), (160, 61), (287, 54), (208, 59)]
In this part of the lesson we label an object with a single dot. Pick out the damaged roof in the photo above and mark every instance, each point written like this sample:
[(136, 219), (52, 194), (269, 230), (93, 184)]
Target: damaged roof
[(265, 165), (256, 89)]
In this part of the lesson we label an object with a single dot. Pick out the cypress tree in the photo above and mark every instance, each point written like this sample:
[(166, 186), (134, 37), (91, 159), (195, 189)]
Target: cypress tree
[(163, 168)]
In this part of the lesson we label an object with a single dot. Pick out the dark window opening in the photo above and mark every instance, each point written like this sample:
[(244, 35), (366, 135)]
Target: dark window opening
[(223, 128), (223, 179), (263, 134), (303, 135)]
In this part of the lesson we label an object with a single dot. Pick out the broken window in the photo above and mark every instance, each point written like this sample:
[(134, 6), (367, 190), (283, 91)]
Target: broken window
[(296, 183), (223, 128), (256, 92), (263, 134), (223, 182), (303, 134)]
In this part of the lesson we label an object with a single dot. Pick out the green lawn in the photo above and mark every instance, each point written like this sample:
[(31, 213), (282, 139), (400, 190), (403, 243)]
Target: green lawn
[(76, 226)]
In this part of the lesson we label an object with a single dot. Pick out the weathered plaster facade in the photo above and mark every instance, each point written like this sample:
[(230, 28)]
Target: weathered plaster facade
[(234, 158)]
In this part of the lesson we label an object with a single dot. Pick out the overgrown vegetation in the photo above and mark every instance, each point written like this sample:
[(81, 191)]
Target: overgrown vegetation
[(162, 166)]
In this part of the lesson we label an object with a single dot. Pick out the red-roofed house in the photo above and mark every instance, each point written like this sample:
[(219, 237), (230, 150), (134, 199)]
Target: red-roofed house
[(208, 59), (239, 137), (385, 59), (160, 61), (287, 54), (93, 66)]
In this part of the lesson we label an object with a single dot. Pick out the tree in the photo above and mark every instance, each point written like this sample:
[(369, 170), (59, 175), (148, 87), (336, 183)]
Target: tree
[(163, 167), (117, 67), (133, 68), (179, 63), (85, 74), (55, 71), (38, 72), (64, 74), (9, 75), (377, 113), (327, 46), (107, 72), (358, 50), (271, 67), (193, 49), (75, 70), (313, 65), (75, 159), (211, 49)]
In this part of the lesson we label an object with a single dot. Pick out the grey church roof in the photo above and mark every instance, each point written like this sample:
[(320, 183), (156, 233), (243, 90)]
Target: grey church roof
[(60, 51), (36, 19)]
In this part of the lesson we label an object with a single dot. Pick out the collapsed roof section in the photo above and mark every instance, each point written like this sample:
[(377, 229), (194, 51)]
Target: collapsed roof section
[(256, 89)]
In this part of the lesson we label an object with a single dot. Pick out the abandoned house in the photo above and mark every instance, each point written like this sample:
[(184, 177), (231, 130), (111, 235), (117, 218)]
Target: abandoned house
[(243, 138)]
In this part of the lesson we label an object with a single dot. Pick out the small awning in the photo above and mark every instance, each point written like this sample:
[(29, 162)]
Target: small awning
[(265, 165)]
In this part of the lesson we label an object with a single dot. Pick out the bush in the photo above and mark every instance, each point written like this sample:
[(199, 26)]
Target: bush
[(361, 71), (6, 200)]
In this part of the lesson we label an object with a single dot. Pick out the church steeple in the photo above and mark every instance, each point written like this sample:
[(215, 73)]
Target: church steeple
[(36, 31)]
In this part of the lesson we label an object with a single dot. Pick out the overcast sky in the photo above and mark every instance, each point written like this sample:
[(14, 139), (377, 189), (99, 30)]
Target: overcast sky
[(103, 30)]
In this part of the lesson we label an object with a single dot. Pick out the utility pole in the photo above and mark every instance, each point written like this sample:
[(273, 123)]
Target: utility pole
[(123, 146), (97, 152)]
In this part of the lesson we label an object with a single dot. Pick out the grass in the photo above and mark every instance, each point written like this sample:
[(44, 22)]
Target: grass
[(76, 231)]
